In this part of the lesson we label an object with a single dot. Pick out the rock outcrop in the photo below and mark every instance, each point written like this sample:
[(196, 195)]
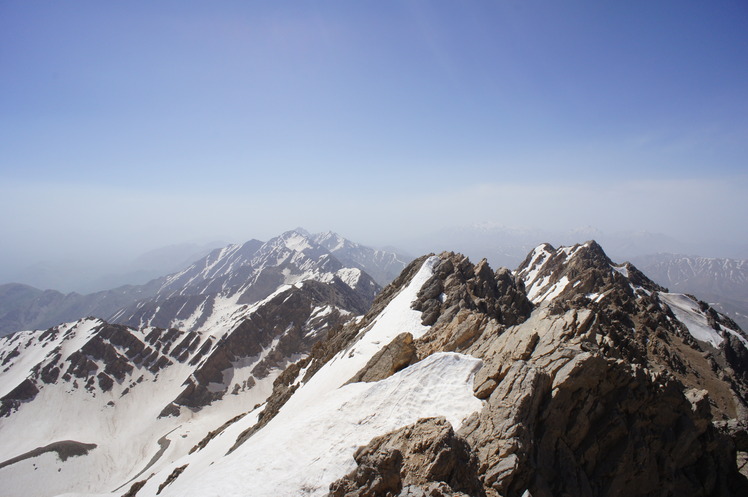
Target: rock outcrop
[(463, 302), (425, 458), (396, 355), (581, 424)]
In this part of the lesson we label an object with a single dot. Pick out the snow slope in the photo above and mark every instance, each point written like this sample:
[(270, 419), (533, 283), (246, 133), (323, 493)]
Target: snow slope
[(301, 452), (126, 423), (687, 311), (311, 441)]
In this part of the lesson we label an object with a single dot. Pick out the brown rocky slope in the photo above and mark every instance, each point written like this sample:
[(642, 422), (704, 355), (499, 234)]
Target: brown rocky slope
[(591, 386)]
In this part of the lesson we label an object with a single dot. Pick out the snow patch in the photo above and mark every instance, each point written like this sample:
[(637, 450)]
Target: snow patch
[(540, 256), (297, 242), (555, 290), (349, 276), (396, 318), (687, 311), (302, 452), (623, 270), (534, 291)]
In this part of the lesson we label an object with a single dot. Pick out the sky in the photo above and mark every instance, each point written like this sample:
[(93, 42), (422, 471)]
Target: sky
[(126, 126)]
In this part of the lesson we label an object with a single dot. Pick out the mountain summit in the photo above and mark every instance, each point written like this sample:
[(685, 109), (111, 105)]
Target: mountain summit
[(221, 286), (572, 375)]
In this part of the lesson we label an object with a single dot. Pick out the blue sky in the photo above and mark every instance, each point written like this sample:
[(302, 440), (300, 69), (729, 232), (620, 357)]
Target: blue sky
[(127, 125)]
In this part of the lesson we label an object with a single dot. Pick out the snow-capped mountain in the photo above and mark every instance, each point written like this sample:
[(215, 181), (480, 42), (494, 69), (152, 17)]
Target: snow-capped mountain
[(120, 390), (572, 375), (382, 265), (256, 268), (722, 282), (218, 289)]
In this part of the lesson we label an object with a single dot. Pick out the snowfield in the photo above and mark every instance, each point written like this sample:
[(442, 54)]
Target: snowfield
[(687, 311), (301, 452)]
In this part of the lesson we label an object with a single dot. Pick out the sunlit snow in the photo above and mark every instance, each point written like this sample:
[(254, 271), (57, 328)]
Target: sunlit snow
[(687, 311), (302, 451)]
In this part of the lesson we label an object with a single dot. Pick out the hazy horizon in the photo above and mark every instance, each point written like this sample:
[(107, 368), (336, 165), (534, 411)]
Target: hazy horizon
[(129, 127), (501, 245)]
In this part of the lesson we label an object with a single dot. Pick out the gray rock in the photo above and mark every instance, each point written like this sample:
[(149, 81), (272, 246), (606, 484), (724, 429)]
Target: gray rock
[(422, 459), (396, 355)]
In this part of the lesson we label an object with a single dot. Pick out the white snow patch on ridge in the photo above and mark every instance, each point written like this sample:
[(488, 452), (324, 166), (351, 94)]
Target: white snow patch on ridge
[(555, 290), (297, 242), (398, 317), (302, 452), (687, 311), (350, 276), (536, 288)]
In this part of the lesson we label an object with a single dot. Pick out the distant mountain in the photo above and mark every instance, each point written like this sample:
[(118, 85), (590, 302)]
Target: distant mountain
[(23, 307), (255, 269), (222, 286), (722, 282), (382, 265), (153, 264), (572, 375), (75, 276)]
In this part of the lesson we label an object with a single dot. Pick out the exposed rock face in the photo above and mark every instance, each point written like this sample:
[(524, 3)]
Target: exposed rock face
[(24, 392), (459, 285), (280, 331), (596, 426), (425, 458), (395, 356), (593, 388), (736, 356), (464, 301)]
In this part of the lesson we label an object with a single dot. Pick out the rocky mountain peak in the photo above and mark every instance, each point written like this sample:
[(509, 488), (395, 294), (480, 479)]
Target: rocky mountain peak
[(469, 298), (580, 386), (602, 347), (582, 270)]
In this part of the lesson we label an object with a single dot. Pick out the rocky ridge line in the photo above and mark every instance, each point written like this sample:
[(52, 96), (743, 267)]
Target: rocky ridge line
[(596, 389)]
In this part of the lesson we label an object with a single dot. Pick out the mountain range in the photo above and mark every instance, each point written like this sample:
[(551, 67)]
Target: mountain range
[(281, 370), (254, 268)]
